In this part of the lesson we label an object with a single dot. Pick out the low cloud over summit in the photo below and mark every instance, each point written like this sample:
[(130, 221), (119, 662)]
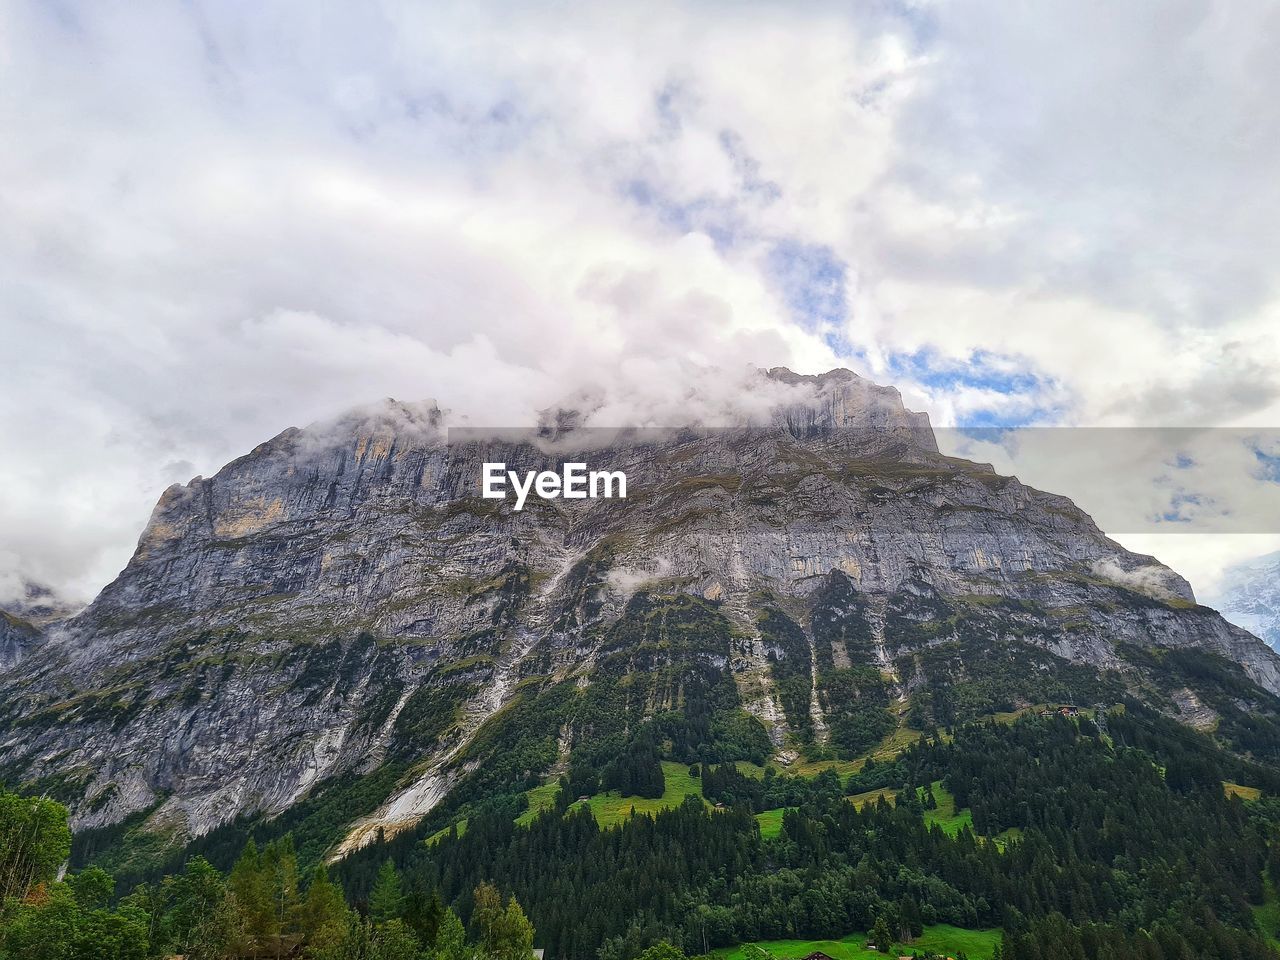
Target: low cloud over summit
[(217, 224)]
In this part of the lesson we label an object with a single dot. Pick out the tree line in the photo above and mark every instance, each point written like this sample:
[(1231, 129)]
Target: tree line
[(1112, 844), (261, 909), (1103, 833)]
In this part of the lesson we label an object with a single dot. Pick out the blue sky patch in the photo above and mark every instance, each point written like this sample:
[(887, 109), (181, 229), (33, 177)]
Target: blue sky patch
[(983, 371), (1268, 465), (717, 219), (812, 280), (1177, 503)]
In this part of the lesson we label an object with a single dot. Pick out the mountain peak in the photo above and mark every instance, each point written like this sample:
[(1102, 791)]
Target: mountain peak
[(842, 401), (787, 375), (807, 405)]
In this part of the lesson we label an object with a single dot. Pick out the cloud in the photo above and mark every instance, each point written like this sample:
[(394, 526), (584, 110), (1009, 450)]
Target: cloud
[(1204, 560), (219, 221), (1151, 580)]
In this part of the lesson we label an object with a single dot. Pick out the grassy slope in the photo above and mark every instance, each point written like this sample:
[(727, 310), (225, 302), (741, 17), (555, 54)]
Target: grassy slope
[(540, 798), (1243, 792), (952, 820), (860, 800), (946, 816), (770, 822), (441, 834), (612, 808), (1268, 916), (941, 938), (888, 748)]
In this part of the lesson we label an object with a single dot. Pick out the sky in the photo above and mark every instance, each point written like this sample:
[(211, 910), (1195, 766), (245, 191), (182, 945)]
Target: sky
[(218, 220)]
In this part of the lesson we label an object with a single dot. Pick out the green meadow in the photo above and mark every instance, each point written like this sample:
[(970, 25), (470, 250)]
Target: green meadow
[(940, 938)]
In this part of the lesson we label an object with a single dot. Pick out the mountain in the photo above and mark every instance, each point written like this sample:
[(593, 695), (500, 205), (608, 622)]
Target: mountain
[(337, 625), (17, 638), (24, 619), (1250, 597)]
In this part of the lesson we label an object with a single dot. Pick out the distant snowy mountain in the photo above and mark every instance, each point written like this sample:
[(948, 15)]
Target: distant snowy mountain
[(1250, 597)]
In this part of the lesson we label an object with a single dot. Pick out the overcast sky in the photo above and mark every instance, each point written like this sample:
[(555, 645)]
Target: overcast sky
[(221, 219)]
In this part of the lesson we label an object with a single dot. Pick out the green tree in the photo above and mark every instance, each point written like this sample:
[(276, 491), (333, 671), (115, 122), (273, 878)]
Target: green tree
[(662, 950), (882, 934), (515, 934), (353, 943), (92, 888), (113, 935), (486, 918), (54, 925), (451, 939), (282, 862), (422, 911), (325, 916), (35, 840), (393, 940), (195, 922), (386, 901), (503, 933), (254, 927), (44, 928)]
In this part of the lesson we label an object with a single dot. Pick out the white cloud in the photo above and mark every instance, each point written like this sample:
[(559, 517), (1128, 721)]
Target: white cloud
[(1203, 559), (217, 221)]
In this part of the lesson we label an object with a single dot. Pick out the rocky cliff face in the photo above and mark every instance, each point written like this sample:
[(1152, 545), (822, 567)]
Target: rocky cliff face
[(24, 620), (341, 602), (17, 638)]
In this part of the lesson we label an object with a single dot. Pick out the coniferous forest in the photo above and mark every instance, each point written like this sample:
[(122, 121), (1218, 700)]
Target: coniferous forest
[(1081, 840)]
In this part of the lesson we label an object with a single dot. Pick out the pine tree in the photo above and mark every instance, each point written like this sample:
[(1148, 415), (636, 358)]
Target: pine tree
[(423, 912), (386, 901), (280, 866), (255, 929), (324, 912), (394, 940), (909, 918)]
